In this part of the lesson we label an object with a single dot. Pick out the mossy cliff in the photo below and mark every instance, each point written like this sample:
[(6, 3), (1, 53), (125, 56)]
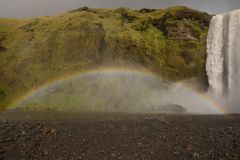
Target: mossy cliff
[(170, 42)]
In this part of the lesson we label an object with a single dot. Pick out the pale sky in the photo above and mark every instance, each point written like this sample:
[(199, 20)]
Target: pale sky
[(33, 8)]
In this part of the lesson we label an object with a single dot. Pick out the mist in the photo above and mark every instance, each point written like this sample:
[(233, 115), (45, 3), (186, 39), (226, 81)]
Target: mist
[(124, 92), (230, 105)]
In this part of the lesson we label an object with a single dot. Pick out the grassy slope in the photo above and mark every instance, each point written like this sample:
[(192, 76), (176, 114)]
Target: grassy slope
[(36, 50)]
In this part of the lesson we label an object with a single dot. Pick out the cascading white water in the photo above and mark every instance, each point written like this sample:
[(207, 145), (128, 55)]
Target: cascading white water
[(223, 54)]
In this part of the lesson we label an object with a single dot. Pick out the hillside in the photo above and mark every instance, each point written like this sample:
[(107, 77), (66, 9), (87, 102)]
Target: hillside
[(169, 42)]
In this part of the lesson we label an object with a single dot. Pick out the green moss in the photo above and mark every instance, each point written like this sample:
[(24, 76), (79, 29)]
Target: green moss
[(38, 50)]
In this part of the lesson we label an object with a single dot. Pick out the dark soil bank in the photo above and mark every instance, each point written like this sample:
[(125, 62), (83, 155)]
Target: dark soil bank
[(72, 136)]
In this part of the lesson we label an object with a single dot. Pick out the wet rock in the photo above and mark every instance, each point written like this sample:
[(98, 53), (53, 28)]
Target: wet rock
[(189, 147), (53, 131), (196, 155), (5, 121), (45, 130)]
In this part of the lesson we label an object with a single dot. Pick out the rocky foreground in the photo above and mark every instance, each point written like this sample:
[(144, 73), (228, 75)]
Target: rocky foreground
[(73, 136)]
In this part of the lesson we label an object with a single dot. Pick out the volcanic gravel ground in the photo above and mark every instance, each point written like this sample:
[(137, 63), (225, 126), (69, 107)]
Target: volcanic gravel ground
[(72, 136)]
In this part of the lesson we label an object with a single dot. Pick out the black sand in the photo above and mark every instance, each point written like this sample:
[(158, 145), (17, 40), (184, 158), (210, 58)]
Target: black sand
[(75, 136)]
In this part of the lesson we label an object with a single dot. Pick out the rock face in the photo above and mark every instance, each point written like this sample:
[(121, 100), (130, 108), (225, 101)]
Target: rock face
[(223, 60), (169, 42), (2, 38), (179, 32), (175, 108)]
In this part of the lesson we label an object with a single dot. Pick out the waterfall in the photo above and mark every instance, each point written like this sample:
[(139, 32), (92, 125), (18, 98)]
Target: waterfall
[(223, 54)]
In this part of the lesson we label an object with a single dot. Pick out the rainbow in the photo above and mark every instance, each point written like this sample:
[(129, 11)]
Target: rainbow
[(113, 70), (214, 103)]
